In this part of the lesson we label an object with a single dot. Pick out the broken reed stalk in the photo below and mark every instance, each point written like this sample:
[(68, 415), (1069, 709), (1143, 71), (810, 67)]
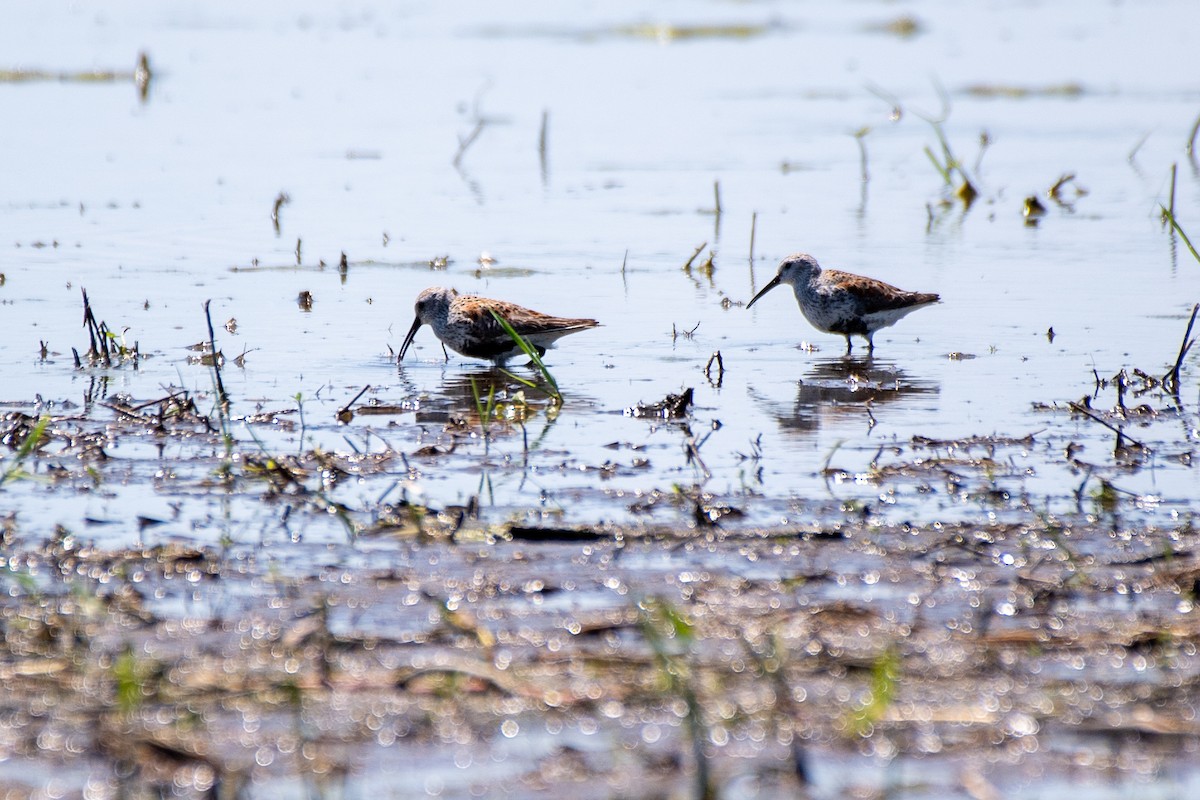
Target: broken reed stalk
[(1171, 379), (89, 322), (222, 395), (97, 334), (1191, 145), (281, 200), (717, 197), (687, 267), (346, 408), (715, 360)]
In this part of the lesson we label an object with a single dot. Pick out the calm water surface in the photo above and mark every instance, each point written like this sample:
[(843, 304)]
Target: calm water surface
[(358, 112)]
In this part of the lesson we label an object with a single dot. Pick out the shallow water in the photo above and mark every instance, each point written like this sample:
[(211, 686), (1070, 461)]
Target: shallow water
[(357, 114)]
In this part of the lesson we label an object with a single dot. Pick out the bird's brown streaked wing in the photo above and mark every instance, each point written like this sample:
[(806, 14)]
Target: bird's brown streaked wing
[(875, 294), (524, 321)]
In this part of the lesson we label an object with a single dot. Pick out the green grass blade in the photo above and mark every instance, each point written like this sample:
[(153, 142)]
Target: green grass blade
[(1171, 219), (943, 171), (529, 350), (28, 445), (523, 381)]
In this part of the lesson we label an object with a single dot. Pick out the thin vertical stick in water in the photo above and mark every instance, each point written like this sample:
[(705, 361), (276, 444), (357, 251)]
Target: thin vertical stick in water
[(753, 228), (222, 395), (1171, 202), (543, 163), (1172, 378)]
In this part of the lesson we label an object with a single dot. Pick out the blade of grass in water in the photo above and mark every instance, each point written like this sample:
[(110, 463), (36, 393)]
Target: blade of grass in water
[(1171, 219), (31, 442), (485, 410), (530, 351)]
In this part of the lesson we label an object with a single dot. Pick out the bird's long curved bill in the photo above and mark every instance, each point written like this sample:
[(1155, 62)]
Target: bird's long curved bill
[(412, 332), (774, 282)]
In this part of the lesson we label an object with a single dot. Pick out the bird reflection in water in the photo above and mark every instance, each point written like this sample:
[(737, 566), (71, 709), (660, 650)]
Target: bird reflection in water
[(837, 389), (476, 399)]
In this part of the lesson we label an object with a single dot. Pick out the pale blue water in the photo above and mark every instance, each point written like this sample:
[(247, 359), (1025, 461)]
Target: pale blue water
[(357, 111)]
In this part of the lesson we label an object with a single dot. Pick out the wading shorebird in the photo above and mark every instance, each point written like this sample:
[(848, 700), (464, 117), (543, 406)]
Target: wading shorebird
[(843, 303), (465, 324)]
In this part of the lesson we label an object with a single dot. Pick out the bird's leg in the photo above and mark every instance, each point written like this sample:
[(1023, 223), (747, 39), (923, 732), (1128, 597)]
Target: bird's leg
[(445, 352), (870, 343), (849, 345)]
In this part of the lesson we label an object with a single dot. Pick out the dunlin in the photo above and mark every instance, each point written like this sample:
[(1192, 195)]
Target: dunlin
[(465, 324), (843, 303)]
